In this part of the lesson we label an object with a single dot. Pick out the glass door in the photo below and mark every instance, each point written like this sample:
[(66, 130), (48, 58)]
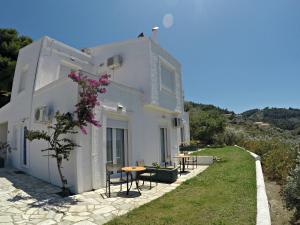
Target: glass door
[(116, 145), (120, 146)]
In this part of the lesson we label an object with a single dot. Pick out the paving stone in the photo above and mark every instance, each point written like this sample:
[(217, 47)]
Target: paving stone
[(5, 219), (31, 211), (14, 210), (77, 208), (84, 214), (104, 210), (75, 218), (58, 217), (85, 222), (47, 222)]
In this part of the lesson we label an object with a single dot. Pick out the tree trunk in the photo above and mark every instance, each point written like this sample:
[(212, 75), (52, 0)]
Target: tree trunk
[(65, 190)]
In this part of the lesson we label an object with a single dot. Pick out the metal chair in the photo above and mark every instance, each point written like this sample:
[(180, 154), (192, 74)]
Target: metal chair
[(117, 178), (192, 161), (147, 175)]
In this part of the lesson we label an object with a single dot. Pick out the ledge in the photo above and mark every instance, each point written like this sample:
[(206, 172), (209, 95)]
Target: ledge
[(263, 211)]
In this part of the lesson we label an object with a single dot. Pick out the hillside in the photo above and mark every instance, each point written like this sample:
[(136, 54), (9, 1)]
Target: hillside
[(209, 121), (285, 119), (192, 106)]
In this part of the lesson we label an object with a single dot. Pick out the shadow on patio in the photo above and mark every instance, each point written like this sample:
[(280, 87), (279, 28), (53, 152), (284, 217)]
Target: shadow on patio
[(24, 189)]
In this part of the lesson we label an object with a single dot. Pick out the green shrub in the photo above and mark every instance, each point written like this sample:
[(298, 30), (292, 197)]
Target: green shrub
[(291, 191), (278, 162), (278, 156)]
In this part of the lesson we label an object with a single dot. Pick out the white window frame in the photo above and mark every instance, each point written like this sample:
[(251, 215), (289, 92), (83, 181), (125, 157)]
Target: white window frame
[(168, 66), (66, 64)]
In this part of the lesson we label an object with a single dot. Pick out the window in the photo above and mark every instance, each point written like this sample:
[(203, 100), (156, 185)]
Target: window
[(167, 78), (22, 83), (182, 134), (64, 71)]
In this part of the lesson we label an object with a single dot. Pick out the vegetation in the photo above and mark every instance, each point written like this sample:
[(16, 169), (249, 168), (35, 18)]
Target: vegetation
[(224, 194), (206, 122), (272, 133), (10, 44), (291, 191), (278, 156)]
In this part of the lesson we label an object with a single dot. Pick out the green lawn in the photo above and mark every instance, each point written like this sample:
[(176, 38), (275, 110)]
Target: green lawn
[(224, 194)]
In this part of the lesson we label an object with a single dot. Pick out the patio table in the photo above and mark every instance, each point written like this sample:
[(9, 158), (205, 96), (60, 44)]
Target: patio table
[(183, 158), (128, 170)]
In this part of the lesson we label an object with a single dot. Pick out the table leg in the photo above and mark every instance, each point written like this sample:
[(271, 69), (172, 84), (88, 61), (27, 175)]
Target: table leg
[(137, 186), (127, 174), (183, 165)]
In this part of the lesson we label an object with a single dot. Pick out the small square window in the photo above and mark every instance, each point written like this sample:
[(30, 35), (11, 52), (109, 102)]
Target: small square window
[(23, 78)]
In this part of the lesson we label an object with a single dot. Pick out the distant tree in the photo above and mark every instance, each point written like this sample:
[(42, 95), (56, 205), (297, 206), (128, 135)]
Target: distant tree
[(205, 125), (10, 44)]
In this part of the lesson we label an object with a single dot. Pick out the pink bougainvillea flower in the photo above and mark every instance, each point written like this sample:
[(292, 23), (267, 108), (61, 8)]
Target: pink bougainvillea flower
[(83, 130), (102, 90), (104, 79), (88, 98)]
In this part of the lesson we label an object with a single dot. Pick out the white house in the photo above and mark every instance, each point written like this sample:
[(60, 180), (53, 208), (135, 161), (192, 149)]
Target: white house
[(142, 113)]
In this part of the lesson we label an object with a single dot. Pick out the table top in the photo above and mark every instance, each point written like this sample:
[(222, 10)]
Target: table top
[(133, 168), (182, 156)]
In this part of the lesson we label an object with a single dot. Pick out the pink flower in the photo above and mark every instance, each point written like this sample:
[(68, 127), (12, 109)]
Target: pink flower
[(104, 80), (102, 90), (83, 130), (94, 83)]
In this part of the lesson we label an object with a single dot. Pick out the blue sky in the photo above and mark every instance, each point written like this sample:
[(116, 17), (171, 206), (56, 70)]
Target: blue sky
[(237, 54)]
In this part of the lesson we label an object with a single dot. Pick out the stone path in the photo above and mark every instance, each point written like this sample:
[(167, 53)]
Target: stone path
[(28, 200)]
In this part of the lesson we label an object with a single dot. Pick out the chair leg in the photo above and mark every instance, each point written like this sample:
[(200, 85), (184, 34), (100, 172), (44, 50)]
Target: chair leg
[(109, 190), (106, 187), (150, 181)]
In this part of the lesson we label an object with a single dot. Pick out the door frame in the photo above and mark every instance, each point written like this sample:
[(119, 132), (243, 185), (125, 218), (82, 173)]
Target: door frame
[(166, 143), (114, 128)]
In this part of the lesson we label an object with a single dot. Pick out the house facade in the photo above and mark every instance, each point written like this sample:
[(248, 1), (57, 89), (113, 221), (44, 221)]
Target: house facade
[(142, 113)]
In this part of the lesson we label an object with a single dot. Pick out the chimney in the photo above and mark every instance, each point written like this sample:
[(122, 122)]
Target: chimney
[(154, 34)]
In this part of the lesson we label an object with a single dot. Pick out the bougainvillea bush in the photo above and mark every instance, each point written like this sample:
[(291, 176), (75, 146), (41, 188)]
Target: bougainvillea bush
[(66, 124), (90, 89)]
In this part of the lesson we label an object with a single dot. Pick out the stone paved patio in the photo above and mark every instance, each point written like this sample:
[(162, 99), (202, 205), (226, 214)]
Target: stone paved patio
[(27, 200)]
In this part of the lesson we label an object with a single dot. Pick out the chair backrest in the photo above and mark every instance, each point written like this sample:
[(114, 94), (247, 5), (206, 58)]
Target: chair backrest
[(110, 167), (140, 163)]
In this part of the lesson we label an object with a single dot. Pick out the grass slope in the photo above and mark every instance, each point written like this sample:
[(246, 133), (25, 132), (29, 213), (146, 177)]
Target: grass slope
[(224, 194)]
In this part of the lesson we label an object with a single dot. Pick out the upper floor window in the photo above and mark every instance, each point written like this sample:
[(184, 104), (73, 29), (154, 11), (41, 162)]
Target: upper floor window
[(64, 70), (167, 76), (23, 78)]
